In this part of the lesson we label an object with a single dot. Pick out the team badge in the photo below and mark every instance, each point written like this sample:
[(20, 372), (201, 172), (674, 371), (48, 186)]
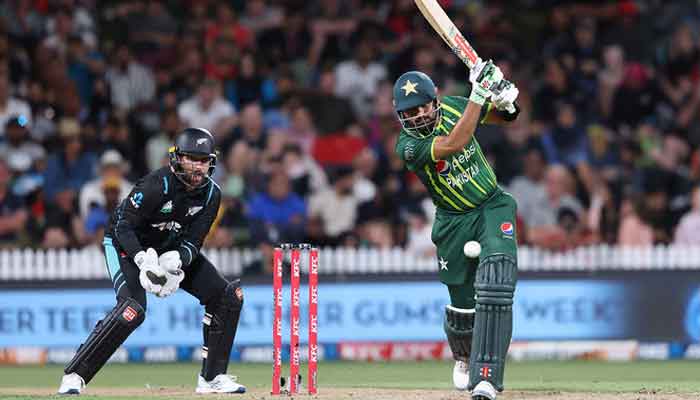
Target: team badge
[(193, 210), (443, 167), (507, 228), (409, 88), (167, 207)]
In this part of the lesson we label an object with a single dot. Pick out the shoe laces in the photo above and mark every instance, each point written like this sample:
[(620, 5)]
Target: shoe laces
[(461, 365)]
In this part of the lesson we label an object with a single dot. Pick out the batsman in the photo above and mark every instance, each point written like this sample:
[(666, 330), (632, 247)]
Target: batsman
[(437, 142)]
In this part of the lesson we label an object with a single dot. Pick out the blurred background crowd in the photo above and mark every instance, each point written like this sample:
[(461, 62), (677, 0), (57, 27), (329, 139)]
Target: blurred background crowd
[(298, 96)]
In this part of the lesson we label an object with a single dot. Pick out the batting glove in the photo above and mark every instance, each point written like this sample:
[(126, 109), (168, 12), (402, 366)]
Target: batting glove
[(504, 97), (484, 77)]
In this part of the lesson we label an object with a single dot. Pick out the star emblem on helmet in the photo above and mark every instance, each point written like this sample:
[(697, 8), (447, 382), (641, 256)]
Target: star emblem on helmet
[(409, 87)]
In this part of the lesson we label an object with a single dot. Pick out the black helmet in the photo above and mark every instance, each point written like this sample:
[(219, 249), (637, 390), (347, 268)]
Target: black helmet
[(196, 143)]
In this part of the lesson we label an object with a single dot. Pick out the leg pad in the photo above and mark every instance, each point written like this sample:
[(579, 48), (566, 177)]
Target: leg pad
[(495, 282), (219, 327), (459, 327), (105, 339)]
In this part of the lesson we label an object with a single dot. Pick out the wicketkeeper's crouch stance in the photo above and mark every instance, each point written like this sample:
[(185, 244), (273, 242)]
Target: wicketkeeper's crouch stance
[(168, 213), (437, 143)]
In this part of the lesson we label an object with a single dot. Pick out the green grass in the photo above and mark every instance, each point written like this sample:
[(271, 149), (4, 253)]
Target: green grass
[(565, 376)]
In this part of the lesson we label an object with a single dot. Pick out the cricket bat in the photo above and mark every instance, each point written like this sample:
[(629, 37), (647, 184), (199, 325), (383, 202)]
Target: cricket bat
[(443, 25)]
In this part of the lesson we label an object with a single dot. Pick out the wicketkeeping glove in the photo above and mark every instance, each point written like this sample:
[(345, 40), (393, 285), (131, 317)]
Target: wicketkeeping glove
[(152, 275), (170, 261)]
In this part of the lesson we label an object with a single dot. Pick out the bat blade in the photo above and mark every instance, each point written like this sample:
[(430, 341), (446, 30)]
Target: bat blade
[(443, 25)]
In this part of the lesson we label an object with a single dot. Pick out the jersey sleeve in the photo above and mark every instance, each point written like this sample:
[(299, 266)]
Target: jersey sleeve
[(191, 241), (134, 211), (415, 153), (460, 103)]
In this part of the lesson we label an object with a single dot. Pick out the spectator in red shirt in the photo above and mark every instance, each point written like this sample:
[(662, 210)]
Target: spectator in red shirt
[(226, 26)]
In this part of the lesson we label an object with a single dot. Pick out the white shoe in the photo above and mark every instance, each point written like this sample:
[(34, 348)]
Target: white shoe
[(484, 390), (71, 384), (460, 375), (222, 383)]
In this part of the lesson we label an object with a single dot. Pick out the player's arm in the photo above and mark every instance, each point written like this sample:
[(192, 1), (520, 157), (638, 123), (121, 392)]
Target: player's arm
[(133, 212), (461, 134), (191, 241), (483, 76)]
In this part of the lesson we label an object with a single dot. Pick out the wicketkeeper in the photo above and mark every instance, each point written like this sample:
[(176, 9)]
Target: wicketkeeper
[(152, 245), (438, 144)]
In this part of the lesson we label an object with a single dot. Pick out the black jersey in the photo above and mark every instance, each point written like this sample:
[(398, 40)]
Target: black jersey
[(161, 213)]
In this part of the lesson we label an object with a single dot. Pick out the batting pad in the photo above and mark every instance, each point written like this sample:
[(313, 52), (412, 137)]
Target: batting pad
[(459, 326), (495, 282)]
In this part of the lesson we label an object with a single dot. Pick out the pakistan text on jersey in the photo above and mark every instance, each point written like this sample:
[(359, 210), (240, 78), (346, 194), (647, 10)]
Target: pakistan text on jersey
[(463, 177)]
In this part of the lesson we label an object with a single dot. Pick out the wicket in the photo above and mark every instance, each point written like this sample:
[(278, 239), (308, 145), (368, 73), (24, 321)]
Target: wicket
[(295, 280)]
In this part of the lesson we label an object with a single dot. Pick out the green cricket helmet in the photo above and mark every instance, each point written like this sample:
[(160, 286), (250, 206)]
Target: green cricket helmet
[(414, 89)]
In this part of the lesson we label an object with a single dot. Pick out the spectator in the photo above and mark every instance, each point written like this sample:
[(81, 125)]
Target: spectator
[(158, 145), (113, 169), (689, 226), (260, 16), (130, 83), (250, 84), (84, 67), (555, 89), (13, 214), (336, 206), (221, 61), (11, 106), (278, 209), (227, 26), (71, 167), (419, 243), (330, 112), (250, 129), (61, 25), (304, 172), (152, 31), (208, 110), (633, 230), (542, 223), (357, 79), (64, 228), (18, 149), (529, 189), (97, 217)]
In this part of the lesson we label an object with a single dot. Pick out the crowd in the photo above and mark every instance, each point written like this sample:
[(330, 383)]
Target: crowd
[(298, 96)]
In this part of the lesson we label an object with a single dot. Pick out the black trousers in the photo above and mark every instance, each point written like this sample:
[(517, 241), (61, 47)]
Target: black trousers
[(202, 279)]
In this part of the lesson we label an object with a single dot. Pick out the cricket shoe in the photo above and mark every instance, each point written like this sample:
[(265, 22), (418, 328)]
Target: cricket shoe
[(71, 384), (460, 375), (222, 383), (484, 390)]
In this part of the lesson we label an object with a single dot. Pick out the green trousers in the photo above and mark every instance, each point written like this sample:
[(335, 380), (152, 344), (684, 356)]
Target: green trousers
[(492, 224)]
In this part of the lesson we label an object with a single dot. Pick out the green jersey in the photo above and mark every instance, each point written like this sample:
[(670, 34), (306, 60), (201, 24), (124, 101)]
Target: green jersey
[(463, 180)]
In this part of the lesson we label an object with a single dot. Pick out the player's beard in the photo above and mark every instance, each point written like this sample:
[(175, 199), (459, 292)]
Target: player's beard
[(422, 125)]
